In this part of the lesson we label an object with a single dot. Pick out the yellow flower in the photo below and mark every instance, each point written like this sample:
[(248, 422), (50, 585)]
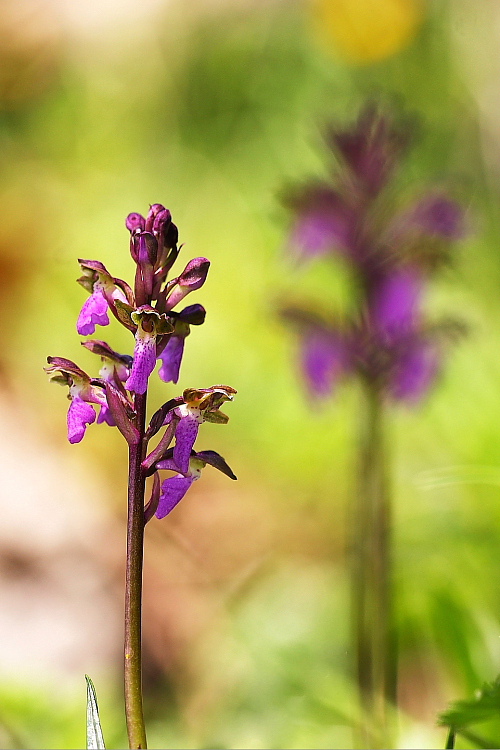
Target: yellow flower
[(365, 31)]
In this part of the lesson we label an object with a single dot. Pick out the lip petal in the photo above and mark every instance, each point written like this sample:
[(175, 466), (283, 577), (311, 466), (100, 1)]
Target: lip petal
[(172, 492), (80, 414), (94, 312), (185, 437)]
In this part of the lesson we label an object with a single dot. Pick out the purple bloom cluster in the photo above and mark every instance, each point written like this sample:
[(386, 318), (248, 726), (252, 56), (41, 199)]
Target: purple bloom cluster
[(159, 332), (393, 254)]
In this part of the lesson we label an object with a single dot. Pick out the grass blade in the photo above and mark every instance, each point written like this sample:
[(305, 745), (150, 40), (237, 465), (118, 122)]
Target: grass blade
[(95, 740)]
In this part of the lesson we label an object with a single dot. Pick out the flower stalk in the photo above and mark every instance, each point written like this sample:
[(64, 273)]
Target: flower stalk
[(371, 580), (134, 713)]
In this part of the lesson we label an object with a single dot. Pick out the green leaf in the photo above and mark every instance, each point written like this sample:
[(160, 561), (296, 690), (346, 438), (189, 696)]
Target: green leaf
[(483, 707), (95, 740)]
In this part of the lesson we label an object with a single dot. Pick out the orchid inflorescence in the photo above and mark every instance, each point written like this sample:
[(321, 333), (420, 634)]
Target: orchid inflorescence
[(160, 332), (393, 253)]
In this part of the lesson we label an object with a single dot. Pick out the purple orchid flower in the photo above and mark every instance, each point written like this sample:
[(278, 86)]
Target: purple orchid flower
[(104, 290), (149, 324), (174, 488), (416, 367), (199, 406), (82, 393)]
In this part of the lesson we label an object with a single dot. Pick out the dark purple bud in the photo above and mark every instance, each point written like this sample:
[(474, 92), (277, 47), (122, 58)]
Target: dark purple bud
[(134, 222), (192, 314), (193, 277), (214, 459), (148, 249), (155, 210), (195, 273), (161, 223), (170, 237)]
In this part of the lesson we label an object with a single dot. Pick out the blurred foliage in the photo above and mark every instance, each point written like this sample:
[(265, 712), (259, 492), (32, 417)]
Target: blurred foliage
[(483, 709), (212, 111)]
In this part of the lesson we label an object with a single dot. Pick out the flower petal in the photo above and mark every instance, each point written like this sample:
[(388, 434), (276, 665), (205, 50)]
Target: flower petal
[(185, 437), (415, 370), (143, 365), (323, 360), (323, 223), (94, 312), (396, 301), (106, 416), (80, 414), (172, 491), (171, 358), (440, 216)]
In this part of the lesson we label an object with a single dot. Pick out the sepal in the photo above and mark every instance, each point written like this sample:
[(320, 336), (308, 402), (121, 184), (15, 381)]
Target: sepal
[(122, 414), (215, 459), (158, 419)]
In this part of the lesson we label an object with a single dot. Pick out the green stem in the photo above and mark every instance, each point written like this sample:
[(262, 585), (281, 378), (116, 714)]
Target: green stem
[(133, 585), (372, 627)]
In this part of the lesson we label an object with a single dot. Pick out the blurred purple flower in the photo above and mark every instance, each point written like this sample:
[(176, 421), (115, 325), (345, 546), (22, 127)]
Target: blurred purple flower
[(371, 148), (395, 302), (438, 215), (392, 257), (415, 369), (323, 223), (104, 290)]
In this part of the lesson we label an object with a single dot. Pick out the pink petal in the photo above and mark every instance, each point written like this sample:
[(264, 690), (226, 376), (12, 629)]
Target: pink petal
[(185, 436), (173, 490), (80, 414), (143, 365), (94, 312), (171, 358)]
